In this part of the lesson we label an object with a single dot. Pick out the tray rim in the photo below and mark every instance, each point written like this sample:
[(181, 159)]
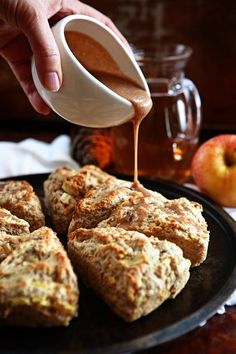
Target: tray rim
[(189, 322)]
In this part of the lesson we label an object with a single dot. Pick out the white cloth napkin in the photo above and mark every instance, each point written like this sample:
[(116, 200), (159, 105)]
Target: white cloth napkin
[(32, 156)]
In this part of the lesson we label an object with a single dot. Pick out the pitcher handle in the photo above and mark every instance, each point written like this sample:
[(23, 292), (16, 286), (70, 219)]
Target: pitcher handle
[(194, 104)]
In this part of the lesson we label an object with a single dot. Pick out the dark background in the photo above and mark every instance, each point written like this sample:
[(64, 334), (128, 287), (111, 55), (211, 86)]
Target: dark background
[(208, 26)]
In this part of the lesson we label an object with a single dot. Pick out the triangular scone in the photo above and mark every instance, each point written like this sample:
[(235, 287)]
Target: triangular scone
[(65, 187), (20, 199), (179, 221), (11, 224), (132, 273), (37, 284)]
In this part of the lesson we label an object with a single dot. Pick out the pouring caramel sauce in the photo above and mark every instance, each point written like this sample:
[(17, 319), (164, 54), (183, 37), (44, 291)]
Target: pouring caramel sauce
[(96, 59)]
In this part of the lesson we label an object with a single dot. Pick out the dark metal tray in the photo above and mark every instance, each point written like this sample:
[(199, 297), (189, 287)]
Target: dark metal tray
[(98, 330)]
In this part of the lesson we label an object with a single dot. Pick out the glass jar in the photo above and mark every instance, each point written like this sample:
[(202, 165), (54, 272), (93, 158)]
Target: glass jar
[(169, 134)]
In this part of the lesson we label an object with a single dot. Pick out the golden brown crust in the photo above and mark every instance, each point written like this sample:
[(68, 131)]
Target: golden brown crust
[(65, 187), (113, 204), (37, 282), (134, 274), (11, 224), (99, 203), (116, 240), (8, 243), (179, 221), (20, 199), (86, 179)]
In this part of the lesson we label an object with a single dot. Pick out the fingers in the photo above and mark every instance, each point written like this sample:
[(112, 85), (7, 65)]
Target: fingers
[(43, 45), (37, 102), (106, 20), (33, 21), (78, 7), (36, 28), (111, 25), (18, 55)]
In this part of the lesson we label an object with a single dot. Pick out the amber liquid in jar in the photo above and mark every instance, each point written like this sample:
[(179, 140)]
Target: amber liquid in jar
[(169, 134), (165, 149)]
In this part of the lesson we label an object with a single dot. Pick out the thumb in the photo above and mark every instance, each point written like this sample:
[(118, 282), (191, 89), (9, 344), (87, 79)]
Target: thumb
[(46, 53)]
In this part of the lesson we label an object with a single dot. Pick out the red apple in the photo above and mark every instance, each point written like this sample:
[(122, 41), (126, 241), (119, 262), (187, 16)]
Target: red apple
[(214, 169)]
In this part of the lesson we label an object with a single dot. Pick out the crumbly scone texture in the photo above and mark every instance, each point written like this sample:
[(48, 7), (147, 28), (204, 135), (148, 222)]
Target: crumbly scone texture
[(179, 221), (11, 224), (133, 273), (20, 199), (38, 286), (10, 242), (99, 203), (65, 187)]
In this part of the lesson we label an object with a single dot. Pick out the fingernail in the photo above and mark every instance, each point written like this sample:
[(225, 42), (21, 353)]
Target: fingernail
[(52, 81)]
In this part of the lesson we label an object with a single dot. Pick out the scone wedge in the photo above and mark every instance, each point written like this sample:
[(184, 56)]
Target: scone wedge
[(99, 203), (37, 284), (132, 273), (11, 224), (179, 221), (65, 187), (20, 199)]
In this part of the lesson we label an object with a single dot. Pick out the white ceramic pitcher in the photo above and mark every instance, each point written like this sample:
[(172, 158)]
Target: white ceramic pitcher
[(82, 99)]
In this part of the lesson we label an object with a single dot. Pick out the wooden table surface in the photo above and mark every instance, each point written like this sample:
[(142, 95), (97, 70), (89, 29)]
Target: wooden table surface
[(218, 336)]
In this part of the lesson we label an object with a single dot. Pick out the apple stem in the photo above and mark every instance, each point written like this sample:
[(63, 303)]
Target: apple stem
[(230, 158)]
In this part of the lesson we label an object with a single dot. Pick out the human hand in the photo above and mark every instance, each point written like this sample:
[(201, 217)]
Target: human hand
[(25, 30)]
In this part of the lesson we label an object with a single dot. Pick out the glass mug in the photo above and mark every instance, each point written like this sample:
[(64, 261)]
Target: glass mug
[(169, 134)]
